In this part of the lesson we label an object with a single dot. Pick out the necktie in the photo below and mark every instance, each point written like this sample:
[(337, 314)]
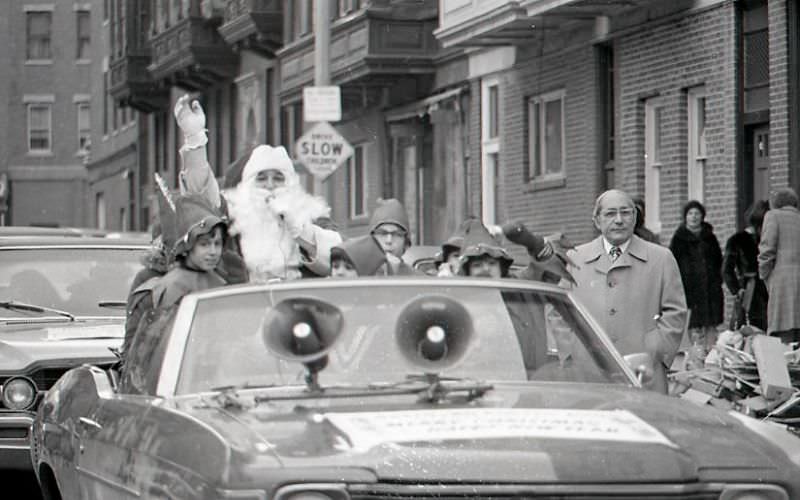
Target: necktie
[(614, 253)]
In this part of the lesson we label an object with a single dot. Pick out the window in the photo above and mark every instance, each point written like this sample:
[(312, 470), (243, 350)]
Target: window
[(653, 132), (357, 183), (493, 112), (697, 143), (39, 128), (490, 150), (38, 35), (100, 210), (106, 98), (84, 127), (347, 6), (84, 34), (546, 136)]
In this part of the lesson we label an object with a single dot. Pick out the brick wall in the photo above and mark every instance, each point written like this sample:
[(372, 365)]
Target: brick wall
[(778, 95), (666, 60)]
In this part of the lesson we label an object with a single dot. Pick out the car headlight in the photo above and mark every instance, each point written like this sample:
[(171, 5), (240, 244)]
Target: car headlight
[(313, 491), (753, 492), (242, 494), (19, 393)]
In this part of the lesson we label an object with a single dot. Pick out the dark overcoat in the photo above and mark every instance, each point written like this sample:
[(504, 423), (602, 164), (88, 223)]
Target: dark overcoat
[(740, 268), (699, 258)]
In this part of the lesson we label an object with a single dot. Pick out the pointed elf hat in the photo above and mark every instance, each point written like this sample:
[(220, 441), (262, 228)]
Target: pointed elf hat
[(194, 217), (479, 242), (364, 253)]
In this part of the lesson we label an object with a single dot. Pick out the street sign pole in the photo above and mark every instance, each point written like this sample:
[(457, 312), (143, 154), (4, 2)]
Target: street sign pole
[(322, 43)]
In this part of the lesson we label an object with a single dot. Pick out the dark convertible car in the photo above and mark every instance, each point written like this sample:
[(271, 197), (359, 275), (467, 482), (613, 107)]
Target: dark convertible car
[(401, 388), (62, 303)]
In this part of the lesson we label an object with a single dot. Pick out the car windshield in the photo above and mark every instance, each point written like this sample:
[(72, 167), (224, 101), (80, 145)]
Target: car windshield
[(517, 335), (75, 280)]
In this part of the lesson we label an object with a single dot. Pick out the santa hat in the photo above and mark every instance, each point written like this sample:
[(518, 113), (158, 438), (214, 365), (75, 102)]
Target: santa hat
[(265, 157), (364, 253), (479, 242), (194, 217)]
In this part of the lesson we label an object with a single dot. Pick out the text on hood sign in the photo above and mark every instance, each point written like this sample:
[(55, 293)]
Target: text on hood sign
[(322, 150)]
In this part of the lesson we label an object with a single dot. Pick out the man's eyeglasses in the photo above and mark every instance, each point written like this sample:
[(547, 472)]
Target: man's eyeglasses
[(382, 233), (625, 213)]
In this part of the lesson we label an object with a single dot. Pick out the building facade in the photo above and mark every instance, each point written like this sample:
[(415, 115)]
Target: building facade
[(522, 110), (46, 105), (670, 101)]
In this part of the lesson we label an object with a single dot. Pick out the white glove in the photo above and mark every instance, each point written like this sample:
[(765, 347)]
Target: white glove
[(192, 121), (495, 230)]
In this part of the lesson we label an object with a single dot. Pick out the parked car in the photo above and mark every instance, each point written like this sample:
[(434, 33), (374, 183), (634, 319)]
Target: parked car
[(392, 388), (62, 303)]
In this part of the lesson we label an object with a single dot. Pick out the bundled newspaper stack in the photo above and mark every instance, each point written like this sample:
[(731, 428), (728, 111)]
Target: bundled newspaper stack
[(745, 371)]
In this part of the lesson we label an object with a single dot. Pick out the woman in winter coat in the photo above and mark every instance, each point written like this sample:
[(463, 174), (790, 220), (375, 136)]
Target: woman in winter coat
[(699, 258), (740, 270), (779, 264)]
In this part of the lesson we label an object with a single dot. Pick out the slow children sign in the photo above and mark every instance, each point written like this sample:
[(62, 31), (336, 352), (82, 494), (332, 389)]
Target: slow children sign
[(322, 150)]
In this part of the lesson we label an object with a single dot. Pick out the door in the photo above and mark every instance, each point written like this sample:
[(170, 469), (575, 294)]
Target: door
[(761, 162)]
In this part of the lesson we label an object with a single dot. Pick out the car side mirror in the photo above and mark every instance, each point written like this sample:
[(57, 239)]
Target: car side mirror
[(642, 365)]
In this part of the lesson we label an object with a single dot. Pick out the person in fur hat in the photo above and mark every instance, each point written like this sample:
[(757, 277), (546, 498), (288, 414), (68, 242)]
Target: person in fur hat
[(447, 259), (481, 255), (354, 257), (275, 220), (389, 226)]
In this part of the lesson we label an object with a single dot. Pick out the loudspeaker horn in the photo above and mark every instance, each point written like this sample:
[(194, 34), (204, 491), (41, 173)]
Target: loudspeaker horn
[(302, 329), (433, 332)]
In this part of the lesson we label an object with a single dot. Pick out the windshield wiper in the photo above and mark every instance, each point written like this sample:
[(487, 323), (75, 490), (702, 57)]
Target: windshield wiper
[(23, 306), (113, 304), (438, 388), (430, 388)]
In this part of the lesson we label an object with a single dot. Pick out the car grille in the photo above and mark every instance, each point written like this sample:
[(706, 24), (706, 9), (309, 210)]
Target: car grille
[(534, 492)]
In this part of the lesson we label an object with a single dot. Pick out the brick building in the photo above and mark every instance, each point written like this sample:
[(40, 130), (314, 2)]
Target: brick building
[(45, 103), (502, 109), (670, 101)]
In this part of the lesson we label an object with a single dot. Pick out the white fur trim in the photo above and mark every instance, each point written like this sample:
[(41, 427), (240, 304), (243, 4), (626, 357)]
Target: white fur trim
[(266, 157)]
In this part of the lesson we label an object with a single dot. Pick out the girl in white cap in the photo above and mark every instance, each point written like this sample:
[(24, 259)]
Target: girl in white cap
[(274, 218)]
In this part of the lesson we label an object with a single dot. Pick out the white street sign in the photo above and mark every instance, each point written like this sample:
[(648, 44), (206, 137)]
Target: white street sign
[(322, 104), (322, 150)]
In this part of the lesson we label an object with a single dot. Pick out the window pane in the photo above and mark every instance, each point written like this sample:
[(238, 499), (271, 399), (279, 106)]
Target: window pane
[(358, 177), (553, 137), (84, 35), (494, 116), (38, 39), (535, 140), (657, 135), (84, 127), (38, 128), (701, 127)]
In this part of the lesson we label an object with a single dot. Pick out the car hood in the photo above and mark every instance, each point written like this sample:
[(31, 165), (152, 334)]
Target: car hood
[(88, 340), (542, 433)]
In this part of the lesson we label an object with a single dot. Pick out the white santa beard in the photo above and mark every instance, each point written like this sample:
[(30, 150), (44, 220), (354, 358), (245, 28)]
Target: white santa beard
[(268, 249)]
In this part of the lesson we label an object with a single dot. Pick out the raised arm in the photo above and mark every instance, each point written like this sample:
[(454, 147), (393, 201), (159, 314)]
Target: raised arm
[(196, 175)]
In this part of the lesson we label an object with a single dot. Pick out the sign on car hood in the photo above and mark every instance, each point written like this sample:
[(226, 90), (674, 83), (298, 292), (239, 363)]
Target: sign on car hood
[(82, 340), (555, 433)]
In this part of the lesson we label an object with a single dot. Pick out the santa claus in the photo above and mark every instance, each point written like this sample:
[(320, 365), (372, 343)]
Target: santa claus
[(275, 222)]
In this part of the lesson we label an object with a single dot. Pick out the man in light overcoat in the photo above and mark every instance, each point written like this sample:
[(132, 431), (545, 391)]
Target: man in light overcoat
[(630, 286)]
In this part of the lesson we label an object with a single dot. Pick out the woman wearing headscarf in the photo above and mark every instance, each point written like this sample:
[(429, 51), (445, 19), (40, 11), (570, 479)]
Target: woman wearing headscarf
[(277, 223), (779, 264), (740, 270), (699, 258)]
